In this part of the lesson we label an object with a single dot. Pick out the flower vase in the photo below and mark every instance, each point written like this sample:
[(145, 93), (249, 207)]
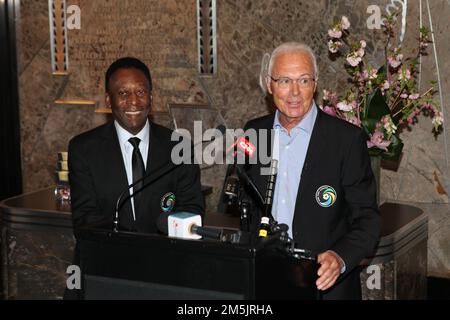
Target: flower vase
[(375, 163)]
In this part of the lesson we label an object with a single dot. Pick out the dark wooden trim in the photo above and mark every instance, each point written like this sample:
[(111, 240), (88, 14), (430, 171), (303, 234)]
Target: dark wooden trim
[(10, 163)]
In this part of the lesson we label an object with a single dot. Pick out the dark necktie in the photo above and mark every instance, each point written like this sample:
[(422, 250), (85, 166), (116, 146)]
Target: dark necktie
[(138, 172)]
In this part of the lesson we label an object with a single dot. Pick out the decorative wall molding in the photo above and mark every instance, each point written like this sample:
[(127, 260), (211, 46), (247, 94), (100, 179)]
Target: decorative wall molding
[(58, 36), (206, 37), (76, 102)]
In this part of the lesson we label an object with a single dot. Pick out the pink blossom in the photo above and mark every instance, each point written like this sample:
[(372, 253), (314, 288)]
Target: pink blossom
[(360, 52), (388, 125), (332, 97), (411, 117), (404, 95), (353, 59), (386, 85), (354, 120), (364, 75), (344, 106), (335, 33), (438, 119), (395, 61), (330, 110), (404, 74), (333, 46), (423, 45), (363, 43), (326, 95), (372, 74), (345, 23), (414, 96), (377, 140)]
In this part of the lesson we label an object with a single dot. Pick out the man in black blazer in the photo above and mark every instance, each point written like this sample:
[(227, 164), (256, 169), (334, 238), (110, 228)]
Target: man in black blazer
[(325, 189), (104, 161)]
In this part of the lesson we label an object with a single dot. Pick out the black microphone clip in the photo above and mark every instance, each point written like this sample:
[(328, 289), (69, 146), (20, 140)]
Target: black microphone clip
[(232, 186)]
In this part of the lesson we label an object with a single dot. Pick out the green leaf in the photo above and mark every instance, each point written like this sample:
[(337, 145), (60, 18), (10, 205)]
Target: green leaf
[(394, 149), (376, 107), (399, 115), (369, 125), (382, 71), (375, 152)]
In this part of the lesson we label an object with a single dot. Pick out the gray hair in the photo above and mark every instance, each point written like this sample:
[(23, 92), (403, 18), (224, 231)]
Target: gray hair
[(287, 47)]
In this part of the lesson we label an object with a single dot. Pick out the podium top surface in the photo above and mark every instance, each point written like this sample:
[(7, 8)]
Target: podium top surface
[(395, 216), (40, 201), (98, 236), (41, 206)]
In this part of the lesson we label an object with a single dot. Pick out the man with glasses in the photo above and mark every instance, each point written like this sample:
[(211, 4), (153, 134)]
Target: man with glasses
[(325, 189)]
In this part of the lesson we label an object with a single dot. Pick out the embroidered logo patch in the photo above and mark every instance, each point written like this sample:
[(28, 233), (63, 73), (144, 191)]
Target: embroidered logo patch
[(167, 202), (326, 196)]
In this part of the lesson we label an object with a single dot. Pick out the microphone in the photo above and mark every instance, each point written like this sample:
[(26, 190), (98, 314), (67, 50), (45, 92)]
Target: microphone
[(268, 201), (249, 183), (242, 147), (267, 218), (186, 225), (232, 186), (208, 233)]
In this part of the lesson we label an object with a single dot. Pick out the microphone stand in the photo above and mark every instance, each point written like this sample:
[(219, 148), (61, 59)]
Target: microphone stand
[(245, 206), (233, 187)]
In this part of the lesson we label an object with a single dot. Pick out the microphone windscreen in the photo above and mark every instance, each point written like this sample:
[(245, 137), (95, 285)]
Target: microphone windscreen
[(180, 223)]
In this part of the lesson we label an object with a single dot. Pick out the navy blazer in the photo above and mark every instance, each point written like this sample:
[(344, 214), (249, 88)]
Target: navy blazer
[(337, 156), (98, 176)]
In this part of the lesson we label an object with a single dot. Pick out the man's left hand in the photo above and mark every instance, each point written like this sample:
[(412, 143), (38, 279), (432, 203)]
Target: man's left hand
[(329, 271)]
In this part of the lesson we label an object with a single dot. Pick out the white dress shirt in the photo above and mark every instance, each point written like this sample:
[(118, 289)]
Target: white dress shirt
[(127, 151)]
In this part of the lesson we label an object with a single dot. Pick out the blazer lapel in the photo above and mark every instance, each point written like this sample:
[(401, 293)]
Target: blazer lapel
[(264, 147), (157, 162), (119, 175), (156, 159), (314, 154)]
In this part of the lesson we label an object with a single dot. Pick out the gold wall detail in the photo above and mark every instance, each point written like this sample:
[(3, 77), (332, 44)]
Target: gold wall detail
[(206, 34), (58, 36)]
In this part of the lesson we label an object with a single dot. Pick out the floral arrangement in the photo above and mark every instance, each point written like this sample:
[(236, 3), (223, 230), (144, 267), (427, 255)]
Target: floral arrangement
[(382, 100)]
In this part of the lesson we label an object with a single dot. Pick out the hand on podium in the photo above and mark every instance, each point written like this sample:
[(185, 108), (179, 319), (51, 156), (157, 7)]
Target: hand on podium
[(330, 269)]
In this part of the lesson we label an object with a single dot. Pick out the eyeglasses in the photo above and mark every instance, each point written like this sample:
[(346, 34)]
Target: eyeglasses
[(285, 82)]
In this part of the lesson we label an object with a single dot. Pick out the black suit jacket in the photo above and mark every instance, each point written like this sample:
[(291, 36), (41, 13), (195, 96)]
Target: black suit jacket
[(97, 178), (337, 156)]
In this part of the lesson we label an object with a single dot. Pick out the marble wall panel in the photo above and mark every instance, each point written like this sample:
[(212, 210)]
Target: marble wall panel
[(163, 33)]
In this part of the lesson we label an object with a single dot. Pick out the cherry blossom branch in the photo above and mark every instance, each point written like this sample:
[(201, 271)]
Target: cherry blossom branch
[(405, 107)]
